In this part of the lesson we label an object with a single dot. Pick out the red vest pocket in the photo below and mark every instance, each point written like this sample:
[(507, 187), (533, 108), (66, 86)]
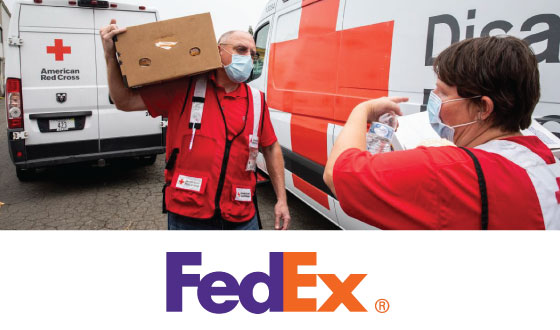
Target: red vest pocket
[(204, 152), (188, 196), (239, 206)]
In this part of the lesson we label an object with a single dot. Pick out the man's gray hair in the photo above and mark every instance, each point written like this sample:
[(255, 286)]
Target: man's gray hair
[(224, 38)]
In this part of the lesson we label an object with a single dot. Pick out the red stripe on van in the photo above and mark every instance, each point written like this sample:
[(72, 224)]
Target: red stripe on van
[(314, 193), (310, 136)]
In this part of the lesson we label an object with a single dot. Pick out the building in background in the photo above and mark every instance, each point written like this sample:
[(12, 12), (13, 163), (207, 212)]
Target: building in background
[(4, 23)]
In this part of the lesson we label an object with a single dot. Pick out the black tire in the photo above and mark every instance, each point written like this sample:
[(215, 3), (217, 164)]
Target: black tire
[(25, 175), (148, 160)]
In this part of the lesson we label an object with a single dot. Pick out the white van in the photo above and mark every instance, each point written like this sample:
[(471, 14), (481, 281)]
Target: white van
[(57, 99), (320, 58)]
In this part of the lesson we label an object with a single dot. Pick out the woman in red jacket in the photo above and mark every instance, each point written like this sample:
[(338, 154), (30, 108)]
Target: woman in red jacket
[(493, 178)]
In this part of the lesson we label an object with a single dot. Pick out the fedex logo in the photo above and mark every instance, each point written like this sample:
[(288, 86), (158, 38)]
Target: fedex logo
[(282, 281)]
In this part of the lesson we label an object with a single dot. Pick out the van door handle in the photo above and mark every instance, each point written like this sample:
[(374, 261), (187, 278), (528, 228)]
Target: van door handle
[(60, 115)]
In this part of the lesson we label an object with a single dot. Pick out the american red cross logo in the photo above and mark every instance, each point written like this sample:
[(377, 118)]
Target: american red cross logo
[(59, 50), (181, 181)]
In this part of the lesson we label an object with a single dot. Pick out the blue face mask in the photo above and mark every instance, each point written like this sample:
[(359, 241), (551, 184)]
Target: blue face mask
[(239, 70), (434, 108)]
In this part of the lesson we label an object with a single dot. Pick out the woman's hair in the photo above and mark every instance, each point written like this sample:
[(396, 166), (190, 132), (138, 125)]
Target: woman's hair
[(504, 69)]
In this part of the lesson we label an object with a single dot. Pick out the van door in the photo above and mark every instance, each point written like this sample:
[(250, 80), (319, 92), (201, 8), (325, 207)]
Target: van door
[(258, 76), (301, 94), (58, 80), (119, 130), (363, 73)]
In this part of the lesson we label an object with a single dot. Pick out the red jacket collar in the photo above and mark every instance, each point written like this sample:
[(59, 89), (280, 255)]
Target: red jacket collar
[(240, 92)]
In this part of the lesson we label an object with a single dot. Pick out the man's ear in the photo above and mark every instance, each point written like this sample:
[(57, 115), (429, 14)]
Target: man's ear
[(487, 107)]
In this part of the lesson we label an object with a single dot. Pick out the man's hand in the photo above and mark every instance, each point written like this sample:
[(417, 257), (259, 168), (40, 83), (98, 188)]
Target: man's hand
[(275, 165), (282, 215), (107, 33)]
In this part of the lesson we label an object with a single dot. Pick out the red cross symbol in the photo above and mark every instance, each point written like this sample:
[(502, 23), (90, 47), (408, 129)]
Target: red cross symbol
[(327, 74), (59, 50), (181, 181), (333, 69)]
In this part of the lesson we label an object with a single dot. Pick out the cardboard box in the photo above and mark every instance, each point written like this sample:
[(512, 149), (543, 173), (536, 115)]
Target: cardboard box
[(166, 50)]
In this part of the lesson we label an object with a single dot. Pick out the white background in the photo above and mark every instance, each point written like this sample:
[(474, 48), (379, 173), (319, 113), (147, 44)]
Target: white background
[(432, 280)]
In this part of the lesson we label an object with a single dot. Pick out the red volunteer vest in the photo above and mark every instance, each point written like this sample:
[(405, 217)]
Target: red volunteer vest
[(208, 176)]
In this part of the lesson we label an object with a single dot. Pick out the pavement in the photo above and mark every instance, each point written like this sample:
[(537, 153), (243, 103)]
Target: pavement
[(123, 195)]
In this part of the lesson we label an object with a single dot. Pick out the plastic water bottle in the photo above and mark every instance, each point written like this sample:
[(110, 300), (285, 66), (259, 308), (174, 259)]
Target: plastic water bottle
[(380, 134)]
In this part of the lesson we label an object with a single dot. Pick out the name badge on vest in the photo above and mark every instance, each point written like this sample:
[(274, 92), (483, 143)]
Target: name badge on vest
[(243, 194), (196, 113), (189, 183), (197, 106), (253, 153)]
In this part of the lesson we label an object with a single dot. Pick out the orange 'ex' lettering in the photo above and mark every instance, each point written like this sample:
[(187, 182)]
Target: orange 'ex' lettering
[(341, 290)]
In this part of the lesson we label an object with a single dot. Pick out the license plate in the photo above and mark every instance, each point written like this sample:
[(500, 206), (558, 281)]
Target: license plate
[(61, 125)]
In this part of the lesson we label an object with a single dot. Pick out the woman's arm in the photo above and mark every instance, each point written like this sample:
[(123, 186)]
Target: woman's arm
[(353, 134)]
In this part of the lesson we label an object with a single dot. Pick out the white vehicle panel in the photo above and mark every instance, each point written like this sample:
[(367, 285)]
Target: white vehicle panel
[(269, 8), (114, 123), (76, 59), (54, 63), (347, 222), (57, 17), (332, 135), (102, 17), (411, 41), (55, 51), (281, 123), (37, 138), (287, 27), (283, 4)]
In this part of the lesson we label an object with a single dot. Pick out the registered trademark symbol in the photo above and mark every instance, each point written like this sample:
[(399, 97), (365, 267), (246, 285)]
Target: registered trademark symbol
[(382, 306)]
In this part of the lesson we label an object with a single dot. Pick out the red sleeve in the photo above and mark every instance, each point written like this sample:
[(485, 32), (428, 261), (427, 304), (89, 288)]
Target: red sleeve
[(268, 137), (159, 98), (396, 190)]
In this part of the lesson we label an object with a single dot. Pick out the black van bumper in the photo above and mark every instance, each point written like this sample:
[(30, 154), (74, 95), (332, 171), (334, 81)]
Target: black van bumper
[(33, 156), (53, 161)]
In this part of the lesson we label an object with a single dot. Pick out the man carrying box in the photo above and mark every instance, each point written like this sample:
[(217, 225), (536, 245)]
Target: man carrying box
[(216, 124)]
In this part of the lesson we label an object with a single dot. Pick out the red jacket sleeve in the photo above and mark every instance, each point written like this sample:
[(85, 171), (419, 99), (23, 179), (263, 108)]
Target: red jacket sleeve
[(396, 190), (158, 98)]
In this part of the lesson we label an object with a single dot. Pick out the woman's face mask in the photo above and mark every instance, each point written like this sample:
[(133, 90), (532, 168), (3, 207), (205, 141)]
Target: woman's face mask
[(434, 108), (239, 70)]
